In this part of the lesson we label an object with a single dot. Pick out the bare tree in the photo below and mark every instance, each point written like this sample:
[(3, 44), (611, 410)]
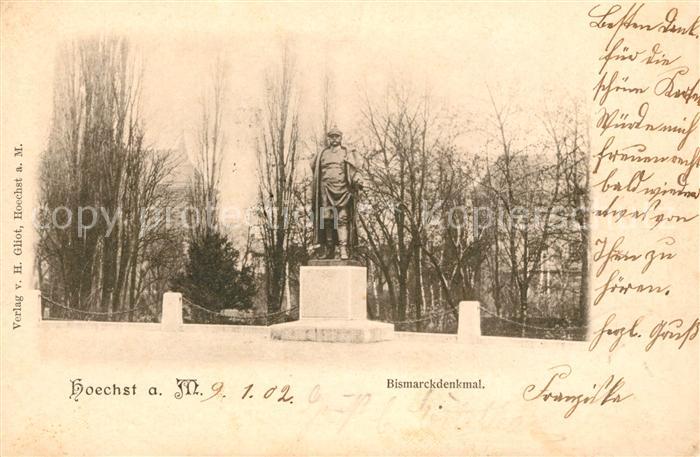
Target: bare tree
[(277, 152), (526, 183), (211, 144), (97, 166), (412, 174), (568, 134)]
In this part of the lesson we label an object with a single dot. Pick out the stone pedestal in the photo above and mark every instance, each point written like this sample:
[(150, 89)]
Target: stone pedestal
[(333, 306)]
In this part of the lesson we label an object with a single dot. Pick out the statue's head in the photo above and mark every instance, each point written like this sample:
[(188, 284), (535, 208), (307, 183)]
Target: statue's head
[(335, 136)]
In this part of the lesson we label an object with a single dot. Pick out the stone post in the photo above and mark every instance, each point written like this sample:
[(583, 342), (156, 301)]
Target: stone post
[(171, 320), (469, 324)]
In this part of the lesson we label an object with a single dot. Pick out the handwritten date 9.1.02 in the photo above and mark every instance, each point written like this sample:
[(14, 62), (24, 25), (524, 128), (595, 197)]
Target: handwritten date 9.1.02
[(190, 388)]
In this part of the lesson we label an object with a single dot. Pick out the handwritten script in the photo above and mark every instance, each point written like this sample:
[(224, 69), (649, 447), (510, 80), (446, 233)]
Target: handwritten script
[(644, 174)]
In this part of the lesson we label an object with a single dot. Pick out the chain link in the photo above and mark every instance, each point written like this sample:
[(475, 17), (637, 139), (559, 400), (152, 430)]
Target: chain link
[(530, 326), (425, 318), (89, 313), (189, 302)]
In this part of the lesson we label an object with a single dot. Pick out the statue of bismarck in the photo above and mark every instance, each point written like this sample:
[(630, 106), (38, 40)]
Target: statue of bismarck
[(335, 188)]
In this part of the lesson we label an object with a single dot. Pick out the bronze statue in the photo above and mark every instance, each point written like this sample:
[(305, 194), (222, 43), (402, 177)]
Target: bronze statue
[(335, 188)]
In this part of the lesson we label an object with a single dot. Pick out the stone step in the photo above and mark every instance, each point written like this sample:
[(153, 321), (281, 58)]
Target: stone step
[(333, 330)]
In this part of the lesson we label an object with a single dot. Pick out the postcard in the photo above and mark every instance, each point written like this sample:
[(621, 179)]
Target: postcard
[(352, 228)]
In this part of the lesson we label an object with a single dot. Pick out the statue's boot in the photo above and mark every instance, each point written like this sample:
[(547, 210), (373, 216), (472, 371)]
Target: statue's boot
[(343, 242), (329, 248), (321, 251)]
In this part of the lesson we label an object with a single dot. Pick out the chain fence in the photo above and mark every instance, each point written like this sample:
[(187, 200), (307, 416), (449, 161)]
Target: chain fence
[(55, 310), (204, 315), (494, 325)]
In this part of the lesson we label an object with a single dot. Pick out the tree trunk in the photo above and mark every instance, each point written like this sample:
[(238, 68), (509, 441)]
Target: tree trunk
[(287, 291), (418, 288), (403, 298), (109, 264), (583, 295), (523, 307)]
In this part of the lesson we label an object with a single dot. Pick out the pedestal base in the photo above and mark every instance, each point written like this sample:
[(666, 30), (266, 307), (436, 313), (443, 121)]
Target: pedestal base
[(333, 306), (333, 292), (333, 331)]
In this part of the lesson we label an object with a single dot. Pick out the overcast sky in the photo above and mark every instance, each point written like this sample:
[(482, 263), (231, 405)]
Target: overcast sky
[(523, 52)]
